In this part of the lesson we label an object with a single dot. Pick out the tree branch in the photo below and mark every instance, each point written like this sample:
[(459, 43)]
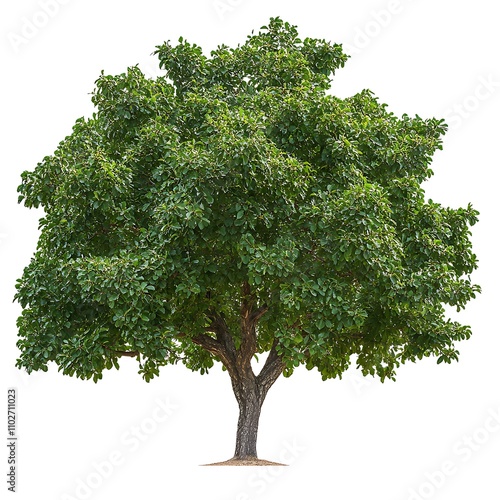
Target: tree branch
[(208, 343), (218, 349), (257, 314), (271, 370), (221, 330), (248, 345), (131, 354)]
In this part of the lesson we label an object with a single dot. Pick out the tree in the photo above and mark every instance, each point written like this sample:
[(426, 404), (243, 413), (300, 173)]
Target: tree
[(234, 207)]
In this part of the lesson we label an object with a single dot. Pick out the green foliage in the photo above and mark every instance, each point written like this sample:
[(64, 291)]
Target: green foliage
[(240, 167)]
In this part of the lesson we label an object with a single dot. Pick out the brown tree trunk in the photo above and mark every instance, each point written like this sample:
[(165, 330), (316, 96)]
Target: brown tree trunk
[(250, 390), (250, 403)]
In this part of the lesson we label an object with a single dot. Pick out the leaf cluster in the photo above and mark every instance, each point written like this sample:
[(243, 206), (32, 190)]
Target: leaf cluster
[(240, 167)]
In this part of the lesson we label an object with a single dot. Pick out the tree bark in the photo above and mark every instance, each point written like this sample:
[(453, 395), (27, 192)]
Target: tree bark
[(250, 390), (250, 403)]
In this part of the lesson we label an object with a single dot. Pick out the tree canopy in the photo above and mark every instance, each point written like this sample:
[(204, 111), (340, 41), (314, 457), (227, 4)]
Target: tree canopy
[(235, 205)]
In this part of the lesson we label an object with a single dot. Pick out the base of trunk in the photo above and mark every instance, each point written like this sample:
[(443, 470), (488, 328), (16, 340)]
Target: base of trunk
[(245, 462)]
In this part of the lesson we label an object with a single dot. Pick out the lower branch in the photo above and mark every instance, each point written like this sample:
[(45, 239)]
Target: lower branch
[(271, 370), (131, 354), (215, 347)]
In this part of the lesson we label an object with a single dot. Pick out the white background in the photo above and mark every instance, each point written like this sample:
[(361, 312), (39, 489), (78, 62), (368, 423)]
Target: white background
[(350, 439)]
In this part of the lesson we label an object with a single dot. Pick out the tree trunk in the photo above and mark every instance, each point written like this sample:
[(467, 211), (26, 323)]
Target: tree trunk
[(250, 390), (250, 403)]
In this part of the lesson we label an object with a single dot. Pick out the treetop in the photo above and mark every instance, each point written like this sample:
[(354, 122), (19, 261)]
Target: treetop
[(236, 183)]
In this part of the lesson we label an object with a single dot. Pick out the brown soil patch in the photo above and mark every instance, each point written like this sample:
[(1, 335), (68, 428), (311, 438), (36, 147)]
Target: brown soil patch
[(252, 461)]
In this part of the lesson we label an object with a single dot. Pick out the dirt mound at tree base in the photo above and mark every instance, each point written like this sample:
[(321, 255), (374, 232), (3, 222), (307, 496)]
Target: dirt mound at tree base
[(247, 462)]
